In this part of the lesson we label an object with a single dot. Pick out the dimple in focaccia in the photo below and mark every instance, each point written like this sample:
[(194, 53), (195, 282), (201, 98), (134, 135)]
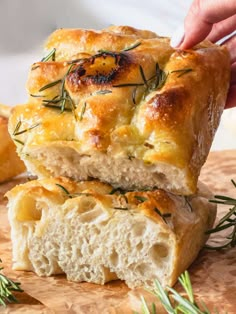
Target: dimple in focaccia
[(122, 106)]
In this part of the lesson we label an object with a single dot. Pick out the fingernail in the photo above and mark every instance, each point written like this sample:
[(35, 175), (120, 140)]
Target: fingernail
[(177, 37)]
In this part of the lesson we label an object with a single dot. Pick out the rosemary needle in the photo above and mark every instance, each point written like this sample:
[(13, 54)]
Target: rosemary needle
[(132, 46), (50, 85), (163, 216), (82, 112), (73, 194), (228, 221), (182, 71), (17, 132), (6, 288), (51, 55), (141, 199), (185, 305)]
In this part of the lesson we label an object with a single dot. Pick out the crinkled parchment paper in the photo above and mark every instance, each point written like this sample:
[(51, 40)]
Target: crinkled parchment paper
[(213, 274)]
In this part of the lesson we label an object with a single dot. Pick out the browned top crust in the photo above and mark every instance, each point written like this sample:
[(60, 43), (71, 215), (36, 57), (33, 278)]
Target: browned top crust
[(126, 92)]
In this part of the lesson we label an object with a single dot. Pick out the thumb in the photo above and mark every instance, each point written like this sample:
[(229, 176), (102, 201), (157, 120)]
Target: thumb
[(202, 15)]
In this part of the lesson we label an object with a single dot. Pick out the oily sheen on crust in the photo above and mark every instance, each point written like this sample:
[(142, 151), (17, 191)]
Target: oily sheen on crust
[(94, 233), (122, 106)]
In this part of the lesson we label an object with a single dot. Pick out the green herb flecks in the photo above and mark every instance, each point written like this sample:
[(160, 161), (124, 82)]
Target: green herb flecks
[(64, 190), (103, 92), (50, 85), (153, 83), (163, 216), (188, 203), (121, 208), (36, 96), (145, 82), (162, 79), (51, 55), (72, 195), (7, 286), (17, 128), (18, 125), (115, 190), (18, 141), (60, 101), (132, 46), (228, 221), (141, 199), (181, 304), (35, 67), (82, 111), (182, 72)]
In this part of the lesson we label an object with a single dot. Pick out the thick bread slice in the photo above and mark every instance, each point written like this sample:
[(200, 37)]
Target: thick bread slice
[(88, 233), (122, 106), (10, 163)]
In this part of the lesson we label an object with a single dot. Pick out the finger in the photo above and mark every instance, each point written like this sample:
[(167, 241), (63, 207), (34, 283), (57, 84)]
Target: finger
[(233, 74), (231, 99), (201, 17), (222, 29), (231, 45)]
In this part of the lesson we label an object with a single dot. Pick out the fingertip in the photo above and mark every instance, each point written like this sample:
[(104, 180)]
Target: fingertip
[(231, 99)]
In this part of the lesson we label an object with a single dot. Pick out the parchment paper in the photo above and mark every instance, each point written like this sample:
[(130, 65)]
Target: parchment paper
[(213, 274)]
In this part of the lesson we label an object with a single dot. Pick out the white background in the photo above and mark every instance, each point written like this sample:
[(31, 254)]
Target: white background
[(25, 24)]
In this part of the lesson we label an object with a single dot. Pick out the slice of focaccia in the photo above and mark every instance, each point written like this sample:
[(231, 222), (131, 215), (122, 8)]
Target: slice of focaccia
[(122, 106), (94, 233), (10, 163)]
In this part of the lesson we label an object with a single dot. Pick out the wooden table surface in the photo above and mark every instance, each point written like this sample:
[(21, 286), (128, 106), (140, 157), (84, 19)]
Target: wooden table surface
[(213, 274)]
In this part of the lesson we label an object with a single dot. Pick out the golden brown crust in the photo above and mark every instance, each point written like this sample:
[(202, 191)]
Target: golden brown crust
[(156, 204), (10, 164), (183, 220), (121, 102)]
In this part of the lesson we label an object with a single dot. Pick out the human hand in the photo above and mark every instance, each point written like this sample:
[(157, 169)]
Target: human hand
[(212, 20)]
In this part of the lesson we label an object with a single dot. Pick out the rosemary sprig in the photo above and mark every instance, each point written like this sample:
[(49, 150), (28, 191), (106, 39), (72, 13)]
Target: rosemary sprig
[(184, 305), (82, 111), (182, 71), (64, 190), (103, 92), (51, 55), (145, 82), (18, 125), (35, 67), (62, 98), (50, 85), (121, 208), (6, 288), (153, 83), (162, 79), (17, 128), (141, 199), (228, 221), (188, 203), (36, 96), (113, 191), (163, 216), (132, 46), (72, 195), (18, 141)]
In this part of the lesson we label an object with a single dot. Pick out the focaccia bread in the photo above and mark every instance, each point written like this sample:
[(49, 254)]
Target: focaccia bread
[(93, 233), (10, 163), (122, 106)]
